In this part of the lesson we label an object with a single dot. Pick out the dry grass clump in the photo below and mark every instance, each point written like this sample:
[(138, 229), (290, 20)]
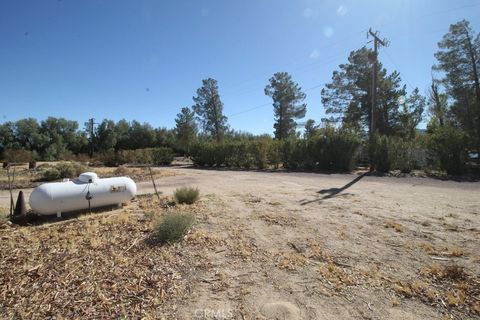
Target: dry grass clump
[(186, 195), (403, 289), (90, 268), (173, 227), (410, 289), (203, 239), (456, 252), (335, 275), (121, 171), (454, 287), (449, 272), (277, 219), (394, 225), (342, 235), (456, 298), (454, 272), (427, 247), (135, 173), (291, 261)]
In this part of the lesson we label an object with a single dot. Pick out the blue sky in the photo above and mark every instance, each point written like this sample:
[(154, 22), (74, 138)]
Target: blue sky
[(144, 60)]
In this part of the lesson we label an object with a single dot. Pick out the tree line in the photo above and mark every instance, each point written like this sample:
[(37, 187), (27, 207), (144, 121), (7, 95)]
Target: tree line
[(452, 107)]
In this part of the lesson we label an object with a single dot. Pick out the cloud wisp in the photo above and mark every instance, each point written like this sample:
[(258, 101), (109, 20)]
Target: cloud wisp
[(342, 10), (315, 54), (328, 32)]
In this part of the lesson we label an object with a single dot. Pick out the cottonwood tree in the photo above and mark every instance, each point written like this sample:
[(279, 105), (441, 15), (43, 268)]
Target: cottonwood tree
[(209, 109), (105, 136), (348, 98), (27, 133), (7, 137), (61, 137), (164, 137), (288, 104), (122, 132), (459, 58), (141, 135), (185, 129)]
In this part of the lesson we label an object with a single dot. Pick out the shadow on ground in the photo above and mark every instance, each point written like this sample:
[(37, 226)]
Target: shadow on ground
[(333, 192), (32, 219)]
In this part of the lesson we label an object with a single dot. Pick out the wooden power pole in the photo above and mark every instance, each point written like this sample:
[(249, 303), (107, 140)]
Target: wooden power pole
[(91, 124), (376, 42)]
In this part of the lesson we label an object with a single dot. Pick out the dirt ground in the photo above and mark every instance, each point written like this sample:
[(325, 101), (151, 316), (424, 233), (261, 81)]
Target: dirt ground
[(266, 245)]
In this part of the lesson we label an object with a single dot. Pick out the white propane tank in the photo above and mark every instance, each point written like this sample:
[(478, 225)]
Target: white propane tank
[(58, 197)]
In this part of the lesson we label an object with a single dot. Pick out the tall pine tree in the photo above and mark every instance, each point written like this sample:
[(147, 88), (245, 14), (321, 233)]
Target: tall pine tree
[(348, 98), (459, 58), (209, 109), (288, 103), (185, 129)]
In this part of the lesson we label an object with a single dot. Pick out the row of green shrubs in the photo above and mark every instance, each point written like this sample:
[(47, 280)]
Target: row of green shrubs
[(154, 156), (63, 170), (444, 148), (394, 153), (330, 150), (337, 150)]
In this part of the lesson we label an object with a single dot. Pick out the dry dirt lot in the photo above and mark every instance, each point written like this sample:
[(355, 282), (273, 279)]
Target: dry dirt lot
[(265, 246)]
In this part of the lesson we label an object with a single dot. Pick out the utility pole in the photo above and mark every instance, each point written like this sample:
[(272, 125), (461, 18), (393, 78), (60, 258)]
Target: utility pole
[(376, 42), (91, 124)]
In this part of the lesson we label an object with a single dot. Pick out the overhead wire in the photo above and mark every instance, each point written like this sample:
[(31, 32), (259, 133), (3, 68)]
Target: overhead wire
[(269, 103), (336, 44)]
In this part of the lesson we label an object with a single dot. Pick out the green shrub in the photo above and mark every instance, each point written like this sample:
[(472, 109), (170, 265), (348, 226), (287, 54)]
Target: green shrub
[(335, 149), (332, 150), (294, 152), (396, 153), (111, 158), (379, 147), (186, 195), (51, 174), (259, 153), (173, 227), (274, 153), (448, 145), (162, 156), (406, 155), (17, 156), (203, 153), (156, 156), (56, 151), (64, 170)]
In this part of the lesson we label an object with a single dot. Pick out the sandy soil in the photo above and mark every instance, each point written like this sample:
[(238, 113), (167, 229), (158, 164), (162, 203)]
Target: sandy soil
[(340, 246)]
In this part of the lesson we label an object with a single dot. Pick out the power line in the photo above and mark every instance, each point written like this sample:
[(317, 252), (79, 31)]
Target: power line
[(396, 67), (269, 103), (251, 109), (335, 44), (296, 71), (429, 14), (342, 40)]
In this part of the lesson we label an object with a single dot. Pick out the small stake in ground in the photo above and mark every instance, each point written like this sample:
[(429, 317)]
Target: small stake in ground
[(153, 181)]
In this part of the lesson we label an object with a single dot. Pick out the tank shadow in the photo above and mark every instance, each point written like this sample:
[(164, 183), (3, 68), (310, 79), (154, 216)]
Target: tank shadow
[(32, 219)]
